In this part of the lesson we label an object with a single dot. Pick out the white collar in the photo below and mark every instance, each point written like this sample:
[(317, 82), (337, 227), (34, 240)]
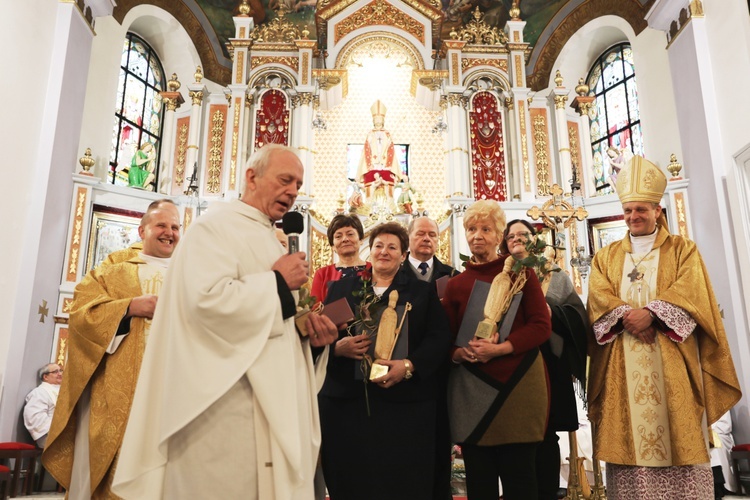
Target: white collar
[(643, 244), (415, 262)]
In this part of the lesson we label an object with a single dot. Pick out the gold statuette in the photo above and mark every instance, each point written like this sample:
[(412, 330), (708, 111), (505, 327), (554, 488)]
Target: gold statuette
[(497, 302)]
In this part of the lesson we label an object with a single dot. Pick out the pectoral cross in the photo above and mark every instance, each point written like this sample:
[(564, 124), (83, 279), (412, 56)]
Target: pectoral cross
[(633, 275)]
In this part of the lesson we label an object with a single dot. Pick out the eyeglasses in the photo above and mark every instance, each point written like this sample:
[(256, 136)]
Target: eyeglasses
[(54, 372), (511, 236)]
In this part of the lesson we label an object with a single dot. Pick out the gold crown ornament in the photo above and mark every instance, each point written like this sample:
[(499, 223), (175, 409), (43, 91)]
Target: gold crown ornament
[(641, 180)]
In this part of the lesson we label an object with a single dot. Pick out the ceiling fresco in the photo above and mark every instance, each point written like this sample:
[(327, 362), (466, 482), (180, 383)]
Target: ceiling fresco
[(549, 24)]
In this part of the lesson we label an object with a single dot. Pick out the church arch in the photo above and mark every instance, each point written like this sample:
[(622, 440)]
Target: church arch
[(381, 43)]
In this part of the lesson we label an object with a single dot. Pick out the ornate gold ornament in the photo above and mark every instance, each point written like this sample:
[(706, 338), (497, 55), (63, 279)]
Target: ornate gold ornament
[(238, 79), (278, 30), (540, 152), (456, 99), (75, 239), (454, 68), (524, 147), (235, 143), (382, 13), (305, 67), (173, 85), (182, 137), (245, 9), (519, 70), (477, 32), (380, 44), (673, 168), (470, 62), (290, 61), (443, 251), (196, 96), (306, 98), (557, 213), (582, 89), (679, 202), (215, 154), (574, 151), (322, 255), (87, 161), (558, 79), (515, 11), (560, 101), (198, 75)]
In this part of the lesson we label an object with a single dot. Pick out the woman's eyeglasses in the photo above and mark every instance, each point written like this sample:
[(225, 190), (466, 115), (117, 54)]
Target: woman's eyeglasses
[(512, 236)]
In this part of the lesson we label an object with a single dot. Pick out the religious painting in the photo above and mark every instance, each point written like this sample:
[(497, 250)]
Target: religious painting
[(112, 229), (606, 230)]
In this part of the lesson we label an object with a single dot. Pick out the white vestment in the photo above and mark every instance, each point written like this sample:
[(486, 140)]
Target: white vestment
[(40, 406), (218, 341)]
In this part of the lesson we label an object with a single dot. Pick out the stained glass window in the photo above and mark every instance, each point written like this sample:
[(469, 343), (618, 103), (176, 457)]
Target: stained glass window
[(615, 119), (138, 113)]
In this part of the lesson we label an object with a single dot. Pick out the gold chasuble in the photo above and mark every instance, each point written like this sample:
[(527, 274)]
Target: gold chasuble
[(101, 301), (651, 403)]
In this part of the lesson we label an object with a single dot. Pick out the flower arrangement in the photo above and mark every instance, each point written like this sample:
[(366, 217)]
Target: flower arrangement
[(538, 258)]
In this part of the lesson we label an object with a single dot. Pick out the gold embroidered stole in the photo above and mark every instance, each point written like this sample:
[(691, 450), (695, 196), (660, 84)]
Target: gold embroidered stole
[(649, 416)]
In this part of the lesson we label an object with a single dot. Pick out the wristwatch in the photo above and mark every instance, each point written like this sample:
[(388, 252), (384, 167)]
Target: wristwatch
[(409, 368)]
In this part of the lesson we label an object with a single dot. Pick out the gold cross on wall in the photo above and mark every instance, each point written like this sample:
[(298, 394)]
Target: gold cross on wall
[(556, 213)]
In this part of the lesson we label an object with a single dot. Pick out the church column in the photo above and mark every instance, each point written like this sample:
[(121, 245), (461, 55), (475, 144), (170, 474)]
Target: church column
[(243, 25), (303, 137), (31, 291), (521, 136), (173, 100), (197, 92), (582, 104), (457, 165), (559, 97)]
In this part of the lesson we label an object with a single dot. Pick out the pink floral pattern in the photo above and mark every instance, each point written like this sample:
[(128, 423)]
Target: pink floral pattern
[(626, 482), (603, 326), (676, 318)]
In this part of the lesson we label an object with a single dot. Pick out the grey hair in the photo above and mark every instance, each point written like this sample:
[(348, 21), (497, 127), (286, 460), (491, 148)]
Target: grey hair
[(486, 209), (260, 160), (415, 219), (45, 370)]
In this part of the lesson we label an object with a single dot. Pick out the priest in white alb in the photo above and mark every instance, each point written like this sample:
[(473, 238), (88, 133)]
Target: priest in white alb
[(226, 405)]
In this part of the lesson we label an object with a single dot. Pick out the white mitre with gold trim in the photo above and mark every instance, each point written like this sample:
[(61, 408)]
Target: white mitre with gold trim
[(378, 109), (641, 180)]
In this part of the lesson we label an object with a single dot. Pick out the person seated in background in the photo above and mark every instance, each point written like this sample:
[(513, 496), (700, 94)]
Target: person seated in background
[(40, 403)]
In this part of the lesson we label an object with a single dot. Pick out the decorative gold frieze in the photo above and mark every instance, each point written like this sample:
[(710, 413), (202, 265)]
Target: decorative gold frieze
[(454, 68), (575, 152), (278, 30), (61, 349), (430, 78), (524, 147), (518, 70), (181, 151), (443, 252), (682, 225), (238, 77), (305, 67), (470, 62), (216, 152), (379, 12), (187, 219), (290, 61), (320, 250), (477, 32), (235, 143), (75, 237), (541, 150)]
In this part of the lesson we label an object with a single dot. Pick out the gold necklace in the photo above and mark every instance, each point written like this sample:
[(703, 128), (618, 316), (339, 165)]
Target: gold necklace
[(634, 274)]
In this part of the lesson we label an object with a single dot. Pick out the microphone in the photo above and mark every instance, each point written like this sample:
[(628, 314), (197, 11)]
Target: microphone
[(293, 224)]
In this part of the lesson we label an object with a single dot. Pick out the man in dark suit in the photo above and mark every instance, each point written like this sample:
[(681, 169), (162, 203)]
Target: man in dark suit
[(422, 264), (421, 261)]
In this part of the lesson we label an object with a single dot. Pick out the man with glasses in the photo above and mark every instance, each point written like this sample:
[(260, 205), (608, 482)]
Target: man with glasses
[(40, 403), (110, 318)]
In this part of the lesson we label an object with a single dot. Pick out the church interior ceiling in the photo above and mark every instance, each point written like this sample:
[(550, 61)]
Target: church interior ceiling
[(549, 23)]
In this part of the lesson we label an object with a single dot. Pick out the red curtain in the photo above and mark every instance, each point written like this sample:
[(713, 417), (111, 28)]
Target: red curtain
[(487, 148)]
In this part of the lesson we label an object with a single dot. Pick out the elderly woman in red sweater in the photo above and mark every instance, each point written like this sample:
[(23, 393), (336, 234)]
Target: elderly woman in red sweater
[(498, 395)]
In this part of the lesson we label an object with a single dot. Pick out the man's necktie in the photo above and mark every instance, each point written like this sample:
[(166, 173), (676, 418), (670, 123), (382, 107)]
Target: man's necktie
[(423, 267)]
